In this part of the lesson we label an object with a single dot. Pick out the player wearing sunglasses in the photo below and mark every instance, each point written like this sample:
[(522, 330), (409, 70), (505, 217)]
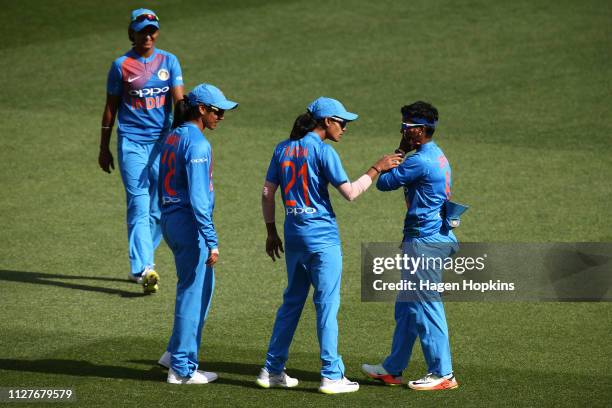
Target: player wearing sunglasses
[(188, 198), (425, 177), (142, 85), (303, 166)]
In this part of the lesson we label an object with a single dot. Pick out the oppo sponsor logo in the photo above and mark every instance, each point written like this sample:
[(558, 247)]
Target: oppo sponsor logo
[(300, 210), (170, 200), (148, 91)]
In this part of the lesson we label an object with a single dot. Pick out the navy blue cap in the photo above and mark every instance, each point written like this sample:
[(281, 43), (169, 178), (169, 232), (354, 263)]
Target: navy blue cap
[(207, 94), (324, 107)]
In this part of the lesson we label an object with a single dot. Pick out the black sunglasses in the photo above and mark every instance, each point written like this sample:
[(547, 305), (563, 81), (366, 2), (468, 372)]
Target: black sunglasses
[(343, 123), (217, 111), (149, 17)]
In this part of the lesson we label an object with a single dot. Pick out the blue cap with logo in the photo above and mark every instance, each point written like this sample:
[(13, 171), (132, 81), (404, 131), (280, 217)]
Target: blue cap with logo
[(324, 107), (207, 94), (143, 17)]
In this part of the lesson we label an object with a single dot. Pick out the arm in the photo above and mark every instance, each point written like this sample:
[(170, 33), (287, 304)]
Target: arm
[(197, 166), (176, 84), (105, 157), (409, 171), (351, 191), (178, 93), (273, 241)]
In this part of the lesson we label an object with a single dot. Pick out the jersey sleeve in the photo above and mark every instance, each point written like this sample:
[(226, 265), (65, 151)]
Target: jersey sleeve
[(406, 173), (198, 159), (114, 83), (176, 73), (272, 175), (332, 166)]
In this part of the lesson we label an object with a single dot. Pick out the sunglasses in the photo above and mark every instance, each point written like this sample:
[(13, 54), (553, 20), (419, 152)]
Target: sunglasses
[(408, 126), (343, 123), (148, 17), (217, 111)]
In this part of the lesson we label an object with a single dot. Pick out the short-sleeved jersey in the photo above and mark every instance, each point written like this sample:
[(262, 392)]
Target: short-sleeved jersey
[(303, 169), (426, 178), (186, 180), (144, 85)]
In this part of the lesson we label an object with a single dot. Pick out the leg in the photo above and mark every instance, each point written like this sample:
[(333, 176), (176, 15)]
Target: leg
[(325, 269), (431, 319), (288, 314), (433, 332), (207, 293), (181, 234), (154, 210), (133, 162), (404, 337)]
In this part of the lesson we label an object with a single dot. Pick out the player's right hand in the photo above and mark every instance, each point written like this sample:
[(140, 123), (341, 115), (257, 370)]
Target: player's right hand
[(389, 161), (105, 160), (273, 246)]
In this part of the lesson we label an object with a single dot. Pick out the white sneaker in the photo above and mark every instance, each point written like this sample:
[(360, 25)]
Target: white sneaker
[(267, 380), (337, 386), (164, 360), (378, 372), (198, 377), (432, 382)]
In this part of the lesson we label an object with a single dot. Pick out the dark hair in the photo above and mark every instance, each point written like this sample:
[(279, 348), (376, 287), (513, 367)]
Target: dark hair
[(131, 36), (422, 110), (184, 112), (303, 124)]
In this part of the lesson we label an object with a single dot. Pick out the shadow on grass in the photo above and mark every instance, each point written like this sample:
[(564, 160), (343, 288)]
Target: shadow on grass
[(81, 369), (246, 369), (49, 279), (249, 369)]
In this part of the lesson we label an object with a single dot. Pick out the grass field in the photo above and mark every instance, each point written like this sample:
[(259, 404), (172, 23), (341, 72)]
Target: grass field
[(524, 92)]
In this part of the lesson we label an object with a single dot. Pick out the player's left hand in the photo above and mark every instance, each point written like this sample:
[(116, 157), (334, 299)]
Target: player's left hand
[(212, 258), (273, 245)]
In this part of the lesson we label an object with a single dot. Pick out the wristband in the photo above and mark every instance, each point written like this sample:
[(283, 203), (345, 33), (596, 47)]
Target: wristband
[(373, 167), (106, 127)]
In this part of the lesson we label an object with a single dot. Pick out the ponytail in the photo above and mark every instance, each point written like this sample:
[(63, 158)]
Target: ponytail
[(183, 112), (303, 124)]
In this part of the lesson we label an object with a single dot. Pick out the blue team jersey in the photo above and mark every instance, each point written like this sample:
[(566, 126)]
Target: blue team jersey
[(185, 178), (303, 169), (426, 178), (144, 85)]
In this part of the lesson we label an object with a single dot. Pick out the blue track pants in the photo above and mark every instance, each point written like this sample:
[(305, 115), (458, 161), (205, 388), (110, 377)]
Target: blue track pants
[(194, 289), (139, 166), (323, 270), (424, 317)]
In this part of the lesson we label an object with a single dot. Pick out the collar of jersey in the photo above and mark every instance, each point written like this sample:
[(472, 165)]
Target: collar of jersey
[(142, 59), (427, 146), (313, 135)]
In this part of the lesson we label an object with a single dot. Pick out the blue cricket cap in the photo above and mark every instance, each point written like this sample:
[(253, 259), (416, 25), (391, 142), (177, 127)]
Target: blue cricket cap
[(324, 107), (143, 17), (207, 94)]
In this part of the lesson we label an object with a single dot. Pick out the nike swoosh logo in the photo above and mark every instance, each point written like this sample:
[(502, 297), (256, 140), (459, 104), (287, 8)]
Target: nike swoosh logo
[(132, 79)]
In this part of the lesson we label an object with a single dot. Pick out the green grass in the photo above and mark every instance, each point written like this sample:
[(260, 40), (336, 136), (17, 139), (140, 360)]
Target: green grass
[(523, 91)]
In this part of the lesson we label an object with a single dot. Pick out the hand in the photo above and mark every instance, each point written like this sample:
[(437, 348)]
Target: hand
[(212, 258), (405, 145), (105, 159), (273, 245), (388, 162)]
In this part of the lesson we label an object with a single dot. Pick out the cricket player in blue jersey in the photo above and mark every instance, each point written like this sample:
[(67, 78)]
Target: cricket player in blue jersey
[(142, 85), (425, 177), (303, 166), (187, 203)]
